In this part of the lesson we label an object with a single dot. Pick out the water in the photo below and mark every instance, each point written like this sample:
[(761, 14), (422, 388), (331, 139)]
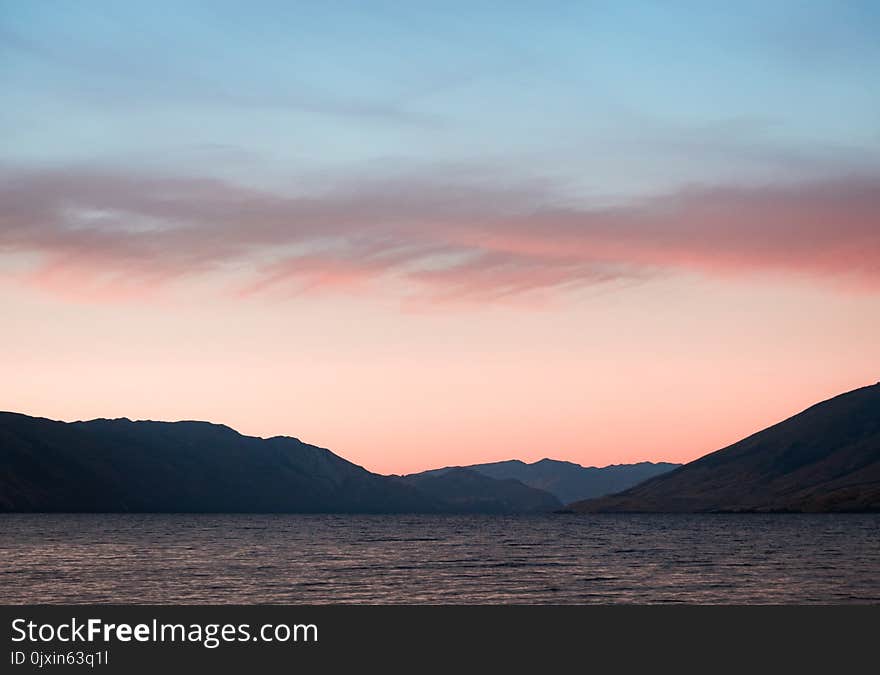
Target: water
[(225, 559)]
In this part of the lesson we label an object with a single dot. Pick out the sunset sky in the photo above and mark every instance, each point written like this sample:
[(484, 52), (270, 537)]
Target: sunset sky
[(424, 234)]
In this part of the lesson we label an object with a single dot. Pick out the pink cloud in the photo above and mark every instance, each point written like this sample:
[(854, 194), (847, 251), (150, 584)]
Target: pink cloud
[(115, 235)]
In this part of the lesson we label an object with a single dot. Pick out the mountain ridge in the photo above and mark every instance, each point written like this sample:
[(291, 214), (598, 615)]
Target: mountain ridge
[(111, 465), (474, 492), (824, 458), (568, 481)]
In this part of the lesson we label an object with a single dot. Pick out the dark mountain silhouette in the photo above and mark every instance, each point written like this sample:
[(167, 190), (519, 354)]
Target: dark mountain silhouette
[(568, 481), (193, 467), (119, 465), (827, 458), (469, 491)]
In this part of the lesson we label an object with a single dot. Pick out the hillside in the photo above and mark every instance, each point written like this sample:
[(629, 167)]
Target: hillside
[(469, 491), (826, 458), (119, 465)]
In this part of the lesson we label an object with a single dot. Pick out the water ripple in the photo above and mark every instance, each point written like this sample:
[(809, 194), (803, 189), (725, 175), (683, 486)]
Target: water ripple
[(560, 559)]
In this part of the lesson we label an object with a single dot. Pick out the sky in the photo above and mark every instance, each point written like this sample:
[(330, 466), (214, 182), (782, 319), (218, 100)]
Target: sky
[(429, 234)]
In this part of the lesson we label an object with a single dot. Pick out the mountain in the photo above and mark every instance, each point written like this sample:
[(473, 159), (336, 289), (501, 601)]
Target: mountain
[(568, 481), (827, 458), (123, 466), (472, 492), (119, 465)]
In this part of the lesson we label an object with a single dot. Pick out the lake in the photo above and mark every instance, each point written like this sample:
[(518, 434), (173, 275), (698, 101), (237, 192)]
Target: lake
[(416, 559)]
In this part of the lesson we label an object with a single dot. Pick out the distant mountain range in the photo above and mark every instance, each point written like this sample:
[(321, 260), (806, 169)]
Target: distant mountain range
[(827, 458), (567, 481), (192, 467)]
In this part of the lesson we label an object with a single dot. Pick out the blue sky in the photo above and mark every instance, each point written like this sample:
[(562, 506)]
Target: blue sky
[(602, 100)]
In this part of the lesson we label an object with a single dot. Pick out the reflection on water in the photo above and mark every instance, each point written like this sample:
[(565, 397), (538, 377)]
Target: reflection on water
[(246, 559)]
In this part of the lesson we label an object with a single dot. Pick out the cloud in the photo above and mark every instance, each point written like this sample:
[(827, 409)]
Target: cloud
[(106, 235)]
